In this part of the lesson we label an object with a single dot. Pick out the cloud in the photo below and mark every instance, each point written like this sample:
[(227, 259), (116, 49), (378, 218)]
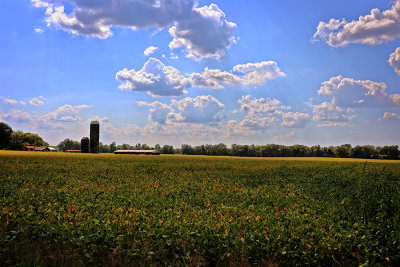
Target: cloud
[(16, 115), (10, 101), (38, 30), (234, 128), (260, 106), (154, 78), (259, 73), (260, 113), (129, 130), (334, 124), (160, 80), (40, 3), (188, 22), (211, 78), (295, 119), (205, 33), (201, 109), (394, 60), (36, 101), (284, 137), (395, 98), (328, 112), (248, 74), (373, 29), (53, 119), (66, 113), (159, 112), (255, 122), (348, 92), (391, 116), (150, 50)]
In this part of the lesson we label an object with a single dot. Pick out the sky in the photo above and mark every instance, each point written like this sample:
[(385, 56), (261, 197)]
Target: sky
[(203, 72)]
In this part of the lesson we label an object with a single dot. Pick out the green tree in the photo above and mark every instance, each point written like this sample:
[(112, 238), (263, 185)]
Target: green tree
[(20, 139), (69, 144), (113, 147), (5, 135), (166, 149), (157, 147), (186, 149), (390, 152)]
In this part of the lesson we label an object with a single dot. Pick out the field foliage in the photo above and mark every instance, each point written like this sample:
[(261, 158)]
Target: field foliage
[(76, 209)]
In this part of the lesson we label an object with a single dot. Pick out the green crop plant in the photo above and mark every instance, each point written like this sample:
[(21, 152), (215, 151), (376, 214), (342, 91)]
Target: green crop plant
[(99, 209)]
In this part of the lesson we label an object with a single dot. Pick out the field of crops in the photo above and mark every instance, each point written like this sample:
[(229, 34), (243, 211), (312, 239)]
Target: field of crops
[(80, 209)]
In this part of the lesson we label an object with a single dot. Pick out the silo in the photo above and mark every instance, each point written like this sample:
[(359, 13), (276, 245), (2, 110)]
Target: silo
[(94, 136), (85, 145)]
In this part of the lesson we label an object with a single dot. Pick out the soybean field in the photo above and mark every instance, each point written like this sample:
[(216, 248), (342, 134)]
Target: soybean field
[(60, 209)]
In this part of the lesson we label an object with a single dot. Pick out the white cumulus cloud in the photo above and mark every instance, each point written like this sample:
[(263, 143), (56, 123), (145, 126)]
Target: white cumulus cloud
[(348, 92), (160, 80), (150, 50), (391, 116), (395, 98), (10, 101), (201, 31), (328, 112), (154, 78), (158, 111), (260, 106), (205, 33), (258, 73), (38, 30), (246, 74), (201, 109), (373, 29), (16, 115), (36, 101), (295, 119), (394, 60)]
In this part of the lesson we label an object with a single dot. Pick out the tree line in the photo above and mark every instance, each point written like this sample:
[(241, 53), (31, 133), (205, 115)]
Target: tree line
[(274, 150), (18, 140)]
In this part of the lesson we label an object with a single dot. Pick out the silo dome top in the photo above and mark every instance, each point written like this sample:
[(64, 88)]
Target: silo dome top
[(94, 122)]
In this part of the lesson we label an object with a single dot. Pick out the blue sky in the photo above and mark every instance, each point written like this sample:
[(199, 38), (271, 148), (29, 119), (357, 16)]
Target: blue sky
[(180, 71)]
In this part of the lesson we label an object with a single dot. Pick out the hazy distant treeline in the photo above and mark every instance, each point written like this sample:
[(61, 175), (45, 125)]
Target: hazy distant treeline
[(273, 150), (270, 150), (17, 140)]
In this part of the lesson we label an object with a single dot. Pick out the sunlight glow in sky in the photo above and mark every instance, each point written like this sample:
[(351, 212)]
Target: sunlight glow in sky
[(197, 72)]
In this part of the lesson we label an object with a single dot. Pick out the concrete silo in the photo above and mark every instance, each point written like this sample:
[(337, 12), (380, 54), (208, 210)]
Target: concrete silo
[(94, 136), (85, 145)]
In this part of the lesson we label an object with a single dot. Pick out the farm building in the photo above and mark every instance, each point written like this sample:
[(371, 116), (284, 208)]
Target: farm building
[(72, 151), (137, 152), (40, 148)]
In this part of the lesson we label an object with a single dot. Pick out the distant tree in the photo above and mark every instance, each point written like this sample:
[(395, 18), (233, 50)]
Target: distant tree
[(166, 149), (365, 152), (69, 144), (103, 148), (145, 147), (222, 149), (5, 135), (343, 151), (157, 147), (20, 139), (113, 147), (186, 149), (389, 152)]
